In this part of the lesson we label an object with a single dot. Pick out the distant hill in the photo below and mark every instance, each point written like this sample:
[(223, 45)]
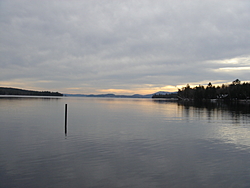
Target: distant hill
[(108, 95), (119, 96), (16, 91)]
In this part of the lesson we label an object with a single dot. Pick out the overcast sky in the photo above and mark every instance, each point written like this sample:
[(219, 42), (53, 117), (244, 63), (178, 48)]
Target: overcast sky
[(125, 47)]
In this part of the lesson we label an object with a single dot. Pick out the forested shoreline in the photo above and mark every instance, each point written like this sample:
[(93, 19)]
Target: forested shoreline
[(16, 91), (227, 92), (234, 91)]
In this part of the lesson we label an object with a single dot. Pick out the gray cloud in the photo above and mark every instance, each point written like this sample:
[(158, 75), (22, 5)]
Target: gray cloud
[(96, 45)]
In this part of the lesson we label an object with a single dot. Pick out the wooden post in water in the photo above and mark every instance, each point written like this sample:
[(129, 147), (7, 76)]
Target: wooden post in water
[(66, 118)]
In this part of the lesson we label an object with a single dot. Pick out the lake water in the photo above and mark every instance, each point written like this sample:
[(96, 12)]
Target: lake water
[(125, 143)]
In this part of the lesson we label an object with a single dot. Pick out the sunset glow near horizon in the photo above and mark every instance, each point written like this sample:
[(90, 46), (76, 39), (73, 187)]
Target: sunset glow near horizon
[(123, 47)]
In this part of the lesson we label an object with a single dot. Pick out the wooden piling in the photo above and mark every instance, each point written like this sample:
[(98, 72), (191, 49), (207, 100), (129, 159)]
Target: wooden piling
[(66, 118)]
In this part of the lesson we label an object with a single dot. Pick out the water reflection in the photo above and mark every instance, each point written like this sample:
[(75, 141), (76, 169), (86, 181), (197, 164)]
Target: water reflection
[(239, 113), (232, 107), (123, 143), (229, 122)]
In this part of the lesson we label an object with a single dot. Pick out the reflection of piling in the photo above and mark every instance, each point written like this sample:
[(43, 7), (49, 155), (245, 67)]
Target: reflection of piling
[(66, 117)]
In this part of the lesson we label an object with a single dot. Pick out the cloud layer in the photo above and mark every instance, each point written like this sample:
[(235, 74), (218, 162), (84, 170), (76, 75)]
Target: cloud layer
[(123, 46)]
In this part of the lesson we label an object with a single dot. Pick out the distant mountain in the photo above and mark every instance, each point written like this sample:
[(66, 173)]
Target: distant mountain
[(108, 95), (120, 96)]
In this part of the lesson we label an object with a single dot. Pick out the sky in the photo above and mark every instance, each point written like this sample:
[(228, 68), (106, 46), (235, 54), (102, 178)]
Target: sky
[(123, 47)]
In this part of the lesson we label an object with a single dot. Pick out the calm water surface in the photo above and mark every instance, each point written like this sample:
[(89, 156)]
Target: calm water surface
[(125, 143)]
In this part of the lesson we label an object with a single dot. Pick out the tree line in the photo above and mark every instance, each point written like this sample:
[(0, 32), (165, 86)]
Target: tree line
[(167, 96), (234, 91), (15, 91)]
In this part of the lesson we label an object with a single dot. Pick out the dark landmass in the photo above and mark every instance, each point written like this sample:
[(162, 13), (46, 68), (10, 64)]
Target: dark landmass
[(236, 91), (16, 91), (173, 95)]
